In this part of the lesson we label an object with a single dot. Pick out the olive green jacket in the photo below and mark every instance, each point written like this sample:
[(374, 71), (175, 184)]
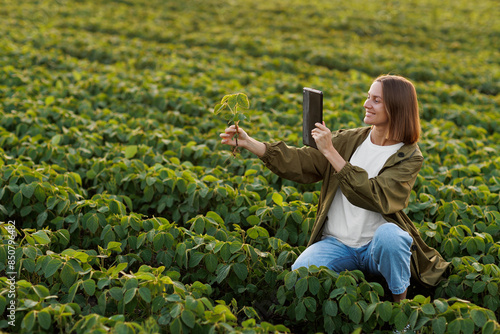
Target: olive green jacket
[(388, 193)]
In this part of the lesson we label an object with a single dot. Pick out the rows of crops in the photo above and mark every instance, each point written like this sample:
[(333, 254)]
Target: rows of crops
[(131, 217)]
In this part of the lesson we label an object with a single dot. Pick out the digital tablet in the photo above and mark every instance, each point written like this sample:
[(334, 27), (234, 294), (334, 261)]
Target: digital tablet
[(312, 112)]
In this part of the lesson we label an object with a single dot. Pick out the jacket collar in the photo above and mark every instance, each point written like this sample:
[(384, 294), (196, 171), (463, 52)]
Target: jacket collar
[(405, 152)]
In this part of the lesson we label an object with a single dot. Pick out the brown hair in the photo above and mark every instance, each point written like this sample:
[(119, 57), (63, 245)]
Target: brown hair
[(401, 104)]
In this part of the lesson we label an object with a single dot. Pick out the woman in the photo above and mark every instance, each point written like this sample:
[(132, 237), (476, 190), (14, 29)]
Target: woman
[(367, 176)]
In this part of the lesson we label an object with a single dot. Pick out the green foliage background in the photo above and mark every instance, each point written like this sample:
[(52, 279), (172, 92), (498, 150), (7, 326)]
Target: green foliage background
[(132, 218)]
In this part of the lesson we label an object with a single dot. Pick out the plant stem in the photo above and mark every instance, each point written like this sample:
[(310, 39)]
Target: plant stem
[(235, 149)]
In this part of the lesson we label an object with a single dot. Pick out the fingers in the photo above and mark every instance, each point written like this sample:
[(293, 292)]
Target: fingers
[(230, 129), (229, 133), (321, 126), (320, 132), (226, 138)]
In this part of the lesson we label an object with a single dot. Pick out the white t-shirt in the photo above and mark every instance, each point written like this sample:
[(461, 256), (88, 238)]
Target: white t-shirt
[(352, 225)]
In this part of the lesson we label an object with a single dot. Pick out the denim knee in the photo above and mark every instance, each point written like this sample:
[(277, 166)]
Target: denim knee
[(389, 238), (391, 253)]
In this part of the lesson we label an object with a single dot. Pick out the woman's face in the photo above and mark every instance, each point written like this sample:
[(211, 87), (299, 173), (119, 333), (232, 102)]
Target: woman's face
[(375, 107)]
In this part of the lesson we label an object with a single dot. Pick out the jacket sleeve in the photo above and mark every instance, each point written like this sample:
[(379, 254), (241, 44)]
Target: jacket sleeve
[(302, 165), (387, 193)]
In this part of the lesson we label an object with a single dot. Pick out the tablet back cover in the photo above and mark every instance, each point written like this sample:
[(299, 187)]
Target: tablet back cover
[(312, 112)]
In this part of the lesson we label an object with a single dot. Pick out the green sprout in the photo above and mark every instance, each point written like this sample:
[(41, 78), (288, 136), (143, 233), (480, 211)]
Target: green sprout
[(233, 102)]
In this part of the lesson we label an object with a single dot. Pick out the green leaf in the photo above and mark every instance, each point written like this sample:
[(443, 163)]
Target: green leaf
[(290, 279), (225, 252), (116, 293), (222, 272), (129, 295), (41, 291), (314, 285), (195, 259), (355, 313), (29, 321), (310, 303), (215, 216), (92, 222), (329, 325), (235, 246), (400, 320), (114, 246), (337, 292), (211, 262), (44, 319), (55, 140), (467, 326), (300, 311), (145, 294), (191, 303), (428, 309), (28, 189), (243, 101), (240, 270), (52, 267), (253, 220), (454, 326), (232, 102), (439, 325), (492, 288), (420, 299), (49, 100), (489, 327), (478, 287), (26, 210), (330, 308), (369, 311), (384, 310), (301, 287), (68, 275), (308, 197), (413, 318), (188, 318), (89, 286), (176, 326), (218, 108), (278, 199), (297, 217), (345, 304), (130, 151), (18, 199), (278, 211), (63, 236), (479, 317), (441, 305), (199, 225), (150, 180), (149, 193), (253, 233)]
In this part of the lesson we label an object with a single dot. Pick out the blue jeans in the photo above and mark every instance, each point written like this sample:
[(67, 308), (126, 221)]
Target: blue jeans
[(388, 254)]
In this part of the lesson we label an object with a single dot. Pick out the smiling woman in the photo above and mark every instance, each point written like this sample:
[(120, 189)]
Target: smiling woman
[(367, 176)]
